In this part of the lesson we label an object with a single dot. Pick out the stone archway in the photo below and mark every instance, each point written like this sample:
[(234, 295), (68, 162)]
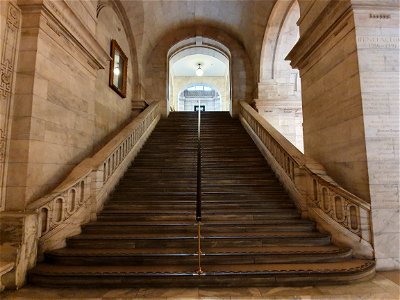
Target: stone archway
[(156, 68), (183, 58), (279, 89)]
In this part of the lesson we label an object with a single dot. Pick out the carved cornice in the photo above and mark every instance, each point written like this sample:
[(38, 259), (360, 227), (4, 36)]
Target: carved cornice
[(376, 4), (329, 22), (63, 21), (7, 70)]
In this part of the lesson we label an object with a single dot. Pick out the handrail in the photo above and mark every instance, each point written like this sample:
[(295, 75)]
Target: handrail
[(89, 178), (198, 192), (340, 205)]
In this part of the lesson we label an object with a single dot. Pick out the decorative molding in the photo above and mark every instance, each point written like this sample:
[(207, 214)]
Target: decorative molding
[(73, 29), (376, 5), (334, 16), (7, 66), (63, 21), (8, 57), (100, 5)]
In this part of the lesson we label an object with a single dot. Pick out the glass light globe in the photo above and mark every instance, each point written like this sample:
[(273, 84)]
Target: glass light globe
[(199, 72), (116, 71)]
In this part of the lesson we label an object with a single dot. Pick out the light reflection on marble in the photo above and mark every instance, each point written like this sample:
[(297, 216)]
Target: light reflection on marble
[(383, 287)]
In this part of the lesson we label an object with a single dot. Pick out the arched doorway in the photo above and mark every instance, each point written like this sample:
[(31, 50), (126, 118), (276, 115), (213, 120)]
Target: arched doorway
[(199, 70), (279, 90)]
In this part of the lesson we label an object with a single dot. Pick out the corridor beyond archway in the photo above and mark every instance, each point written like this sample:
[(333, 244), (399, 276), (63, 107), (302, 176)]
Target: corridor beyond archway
[(202, 96), (199, 76)]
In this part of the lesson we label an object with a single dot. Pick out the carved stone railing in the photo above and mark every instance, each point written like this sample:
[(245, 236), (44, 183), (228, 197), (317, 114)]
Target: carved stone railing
[(344, 215), (82, 194)]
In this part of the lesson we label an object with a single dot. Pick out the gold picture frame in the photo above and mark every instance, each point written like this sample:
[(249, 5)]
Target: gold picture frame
[(118, 69)]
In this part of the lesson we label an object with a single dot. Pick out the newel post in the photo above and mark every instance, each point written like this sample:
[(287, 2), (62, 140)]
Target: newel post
[(96, 184), (301, 182)]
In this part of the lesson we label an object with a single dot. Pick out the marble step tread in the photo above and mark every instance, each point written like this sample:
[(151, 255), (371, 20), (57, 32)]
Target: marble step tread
[(225, 235), (354, 265), (193, 228), (272, 250), (192, 203), (149, 256), (290, 222), (189, 217), (205, 210), (210, 197), (205, 206)]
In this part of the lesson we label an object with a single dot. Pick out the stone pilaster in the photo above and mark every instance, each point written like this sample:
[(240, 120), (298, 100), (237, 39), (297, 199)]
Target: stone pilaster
[(377, 41)]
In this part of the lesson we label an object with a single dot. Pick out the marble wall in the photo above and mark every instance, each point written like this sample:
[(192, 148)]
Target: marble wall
[(377, 41), (332, 109), (111, 111), (348, 56), (63, 105)]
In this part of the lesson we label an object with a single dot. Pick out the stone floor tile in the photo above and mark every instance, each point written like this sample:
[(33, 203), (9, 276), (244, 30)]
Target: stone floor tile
[(290, 291), (121, 293), (251, 292), (53, 294), (215, 298), (150, 298), (360, 288), (168, 293), (388, 285), (382, 296), (392, 276)]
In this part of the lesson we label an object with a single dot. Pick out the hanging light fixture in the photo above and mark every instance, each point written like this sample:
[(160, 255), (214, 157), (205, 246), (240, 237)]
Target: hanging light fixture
[(199, 71)]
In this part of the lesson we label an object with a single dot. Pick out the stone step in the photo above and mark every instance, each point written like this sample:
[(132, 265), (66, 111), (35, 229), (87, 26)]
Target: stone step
[(233, 239), (205, 205), (301, 274), (187, 256), (191, 216), (192, 228), (252, 233), (207, 211)]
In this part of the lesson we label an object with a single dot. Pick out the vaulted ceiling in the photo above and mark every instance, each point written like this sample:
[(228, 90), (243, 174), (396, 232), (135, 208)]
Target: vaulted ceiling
[(244, 20)]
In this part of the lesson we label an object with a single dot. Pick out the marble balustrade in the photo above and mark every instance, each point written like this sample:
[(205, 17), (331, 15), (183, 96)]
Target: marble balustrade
[(315, 193), (90, 182)]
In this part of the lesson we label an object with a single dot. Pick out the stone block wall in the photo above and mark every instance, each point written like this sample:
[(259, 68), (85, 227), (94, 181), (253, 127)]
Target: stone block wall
[(331, 94), (377, 42), (348, 56), (63, 104), (111, 111)]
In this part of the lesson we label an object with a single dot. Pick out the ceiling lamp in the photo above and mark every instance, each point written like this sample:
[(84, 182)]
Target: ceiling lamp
[(199, 71)]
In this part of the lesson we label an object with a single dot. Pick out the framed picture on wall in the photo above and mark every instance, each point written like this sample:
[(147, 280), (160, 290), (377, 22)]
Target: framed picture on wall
[(118, 69)]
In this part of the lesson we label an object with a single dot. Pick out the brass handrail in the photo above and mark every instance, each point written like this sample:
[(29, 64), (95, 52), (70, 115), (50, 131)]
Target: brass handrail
[(198, 192)]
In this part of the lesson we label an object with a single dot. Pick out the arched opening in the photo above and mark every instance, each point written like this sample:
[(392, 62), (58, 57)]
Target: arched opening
[(199, 76), (279, 89)]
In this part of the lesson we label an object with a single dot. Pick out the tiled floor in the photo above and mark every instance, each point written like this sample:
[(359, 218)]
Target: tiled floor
[(385, 286)]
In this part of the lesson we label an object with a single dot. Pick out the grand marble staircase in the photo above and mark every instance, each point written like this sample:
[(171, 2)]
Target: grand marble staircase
[(252, 233)]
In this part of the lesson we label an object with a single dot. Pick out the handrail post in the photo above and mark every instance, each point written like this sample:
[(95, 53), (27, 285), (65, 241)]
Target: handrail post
[(198, 192)]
